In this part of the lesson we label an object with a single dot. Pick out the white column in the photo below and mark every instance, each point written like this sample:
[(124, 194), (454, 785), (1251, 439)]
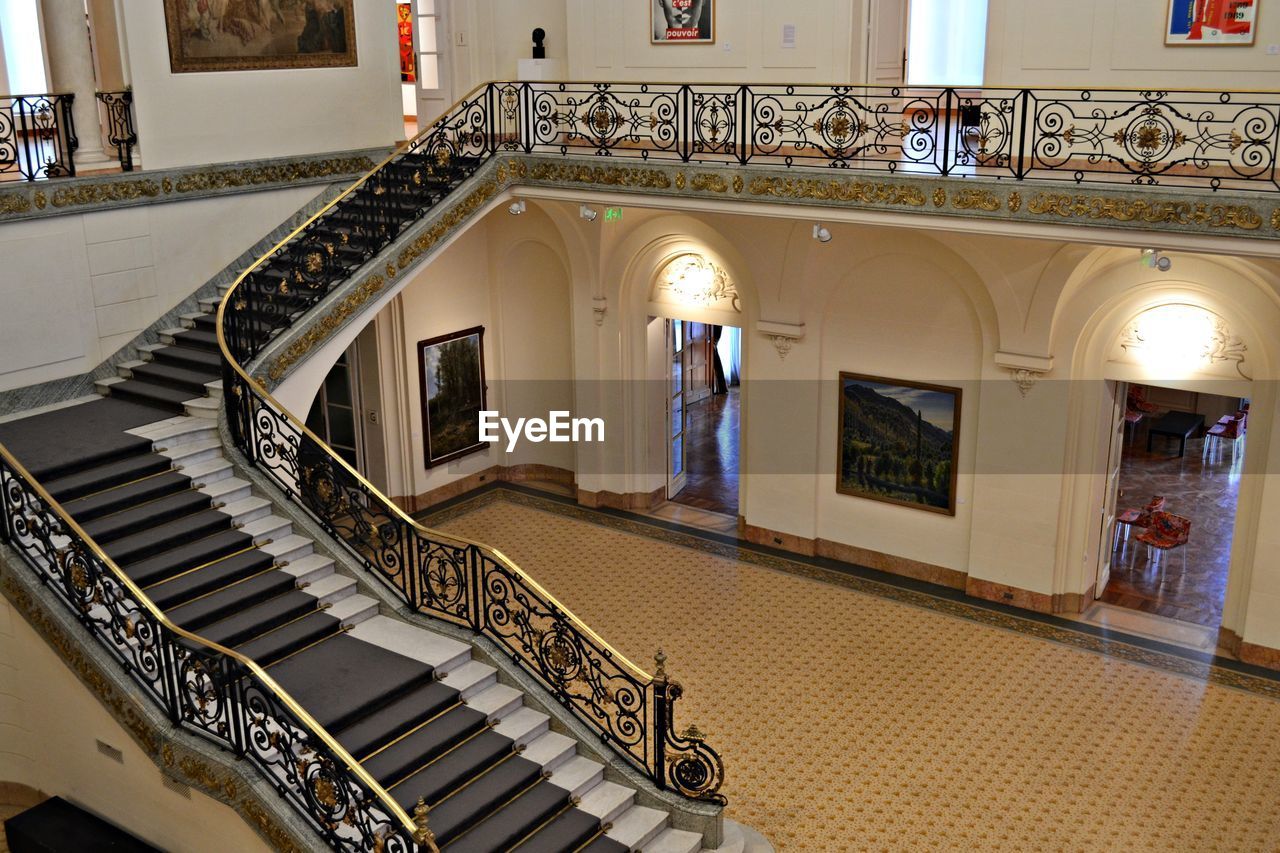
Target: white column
[(66, 41)]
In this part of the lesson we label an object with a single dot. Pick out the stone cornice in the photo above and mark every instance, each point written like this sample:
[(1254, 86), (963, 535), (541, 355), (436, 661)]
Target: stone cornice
[(179, 755), (37, 199)]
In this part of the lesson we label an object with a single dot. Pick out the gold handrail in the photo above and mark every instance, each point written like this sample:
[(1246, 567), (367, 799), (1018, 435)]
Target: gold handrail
[(390, 505), (270, 683)]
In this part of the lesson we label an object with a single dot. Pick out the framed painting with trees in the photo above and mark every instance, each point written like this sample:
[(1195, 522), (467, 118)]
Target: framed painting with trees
[(898, 442), (451, 382)]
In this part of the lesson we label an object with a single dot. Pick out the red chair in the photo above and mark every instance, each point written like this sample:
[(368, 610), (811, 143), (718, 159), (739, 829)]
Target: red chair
[(1140, 518), (1165, 532)]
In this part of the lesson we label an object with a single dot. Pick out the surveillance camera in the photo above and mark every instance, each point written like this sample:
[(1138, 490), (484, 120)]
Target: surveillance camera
[(517, 207), (1163, 264), (820, 233), (587, 213)]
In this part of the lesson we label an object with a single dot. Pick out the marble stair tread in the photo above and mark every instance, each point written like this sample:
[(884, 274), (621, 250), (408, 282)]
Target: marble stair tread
[(271, 527), (578, 775), (550, 749), (202, 407), (675, 841), (247, 509), (290, 547), (331, 589), (310, 568), (222, 487), (520, 723), (187, 452), (607, 800), (637, 826), (498, 701), (104, 385), (352, 609), (177, 430), (432, 649), (208, 470), (470, 678)]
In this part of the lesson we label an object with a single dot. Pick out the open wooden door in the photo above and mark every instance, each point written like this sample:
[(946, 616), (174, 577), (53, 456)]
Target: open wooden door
[(886, 42), (1119, 392), (676, 403)]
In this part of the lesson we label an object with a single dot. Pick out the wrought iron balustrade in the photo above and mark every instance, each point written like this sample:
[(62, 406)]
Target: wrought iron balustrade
[(202, 688), (37, 136), (121, 133)]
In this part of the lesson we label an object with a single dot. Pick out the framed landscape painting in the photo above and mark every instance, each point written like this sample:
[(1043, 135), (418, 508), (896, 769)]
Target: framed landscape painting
[(682, 21), (1212, 22), (451, 381), (898, 442), (247, 35)]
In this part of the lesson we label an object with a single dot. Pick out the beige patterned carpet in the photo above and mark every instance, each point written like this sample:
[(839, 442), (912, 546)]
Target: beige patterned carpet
[(850, 721)]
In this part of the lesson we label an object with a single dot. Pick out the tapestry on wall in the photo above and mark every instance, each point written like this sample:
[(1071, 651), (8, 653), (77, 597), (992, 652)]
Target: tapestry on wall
[(1211, 22), (451, 382), (898, 442), (682, 21), (244, 35)]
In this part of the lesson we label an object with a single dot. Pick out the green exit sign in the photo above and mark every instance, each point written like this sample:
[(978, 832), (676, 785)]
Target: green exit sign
[(613, 214)]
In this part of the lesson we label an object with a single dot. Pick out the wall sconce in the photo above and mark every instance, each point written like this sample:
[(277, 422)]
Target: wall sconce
[(517, 207), (820, 233), (1155, 259), (587, 213)]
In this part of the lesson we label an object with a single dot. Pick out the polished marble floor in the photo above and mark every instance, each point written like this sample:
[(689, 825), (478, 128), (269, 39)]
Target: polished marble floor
[(1192, 584), (852, 715), (711, 448)]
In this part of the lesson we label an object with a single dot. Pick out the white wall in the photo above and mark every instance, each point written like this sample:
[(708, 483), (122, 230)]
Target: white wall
[(221, 116), (1119, 44), (79, 287)]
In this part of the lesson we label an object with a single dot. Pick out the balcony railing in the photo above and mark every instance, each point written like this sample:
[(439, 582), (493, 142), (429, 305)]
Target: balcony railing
[(118, 108), (37, 136)]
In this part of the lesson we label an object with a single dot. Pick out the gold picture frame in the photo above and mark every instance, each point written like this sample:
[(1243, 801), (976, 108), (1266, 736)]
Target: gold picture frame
[(260, 35)]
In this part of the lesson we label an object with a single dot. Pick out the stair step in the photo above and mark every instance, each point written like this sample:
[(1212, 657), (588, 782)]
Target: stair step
[(272, 527), (188, 452), (185, 557), (123, 497), (332, 588), (244, 623), (195, 339), (247, 510), (188, 356), (107, 476), (272, 590), (146, 515), (177, 431), (208, 470), (578, 775), (432, 649), (499, 701), (569, 830), (291, 547), (183, 379), (149, 394), (147, 543), (310, 568), (426, 744), (219, 485), (637, 826), (607, 801), (550, 749), (470, 678), (514, 820), (483, 797), (399, 718), (209, 579), (371, 678), (270, 647), (203, 407), (675, 841), (522, 724)]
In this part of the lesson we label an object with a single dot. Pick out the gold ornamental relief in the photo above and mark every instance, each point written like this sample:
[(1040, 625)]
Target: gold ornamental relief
[(332, 321), (1242, 217), (971, 199), (709, 183), (104, 192), (14, 203), (833, 190)]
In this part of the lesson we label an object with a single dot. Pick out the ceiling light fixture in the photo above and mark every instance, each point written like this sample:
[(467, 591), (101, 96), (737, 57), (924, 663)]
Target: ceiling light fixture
[(587, 213), (820, 233)]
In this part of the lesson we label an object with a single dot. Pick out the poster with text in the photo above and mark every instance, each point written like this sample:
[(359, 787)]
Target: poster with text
[(682, 21), (1212, 22)]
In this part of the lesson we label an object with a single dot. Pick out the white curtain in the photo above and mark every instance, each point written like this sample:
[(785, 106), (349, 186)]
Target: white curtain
[(947, 42), (730, 350)]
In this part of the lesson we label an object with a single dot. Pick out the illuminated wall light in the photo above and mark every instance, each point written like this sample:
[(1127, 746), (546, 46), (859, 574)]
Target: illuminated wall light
[(1175, 340), (693, 280)]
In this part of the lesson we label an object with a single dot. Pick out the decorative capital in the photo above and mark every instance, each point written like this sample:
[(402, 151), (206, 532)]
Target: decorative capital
[(599, 305), (1025, 379), (783, 335), (782, 344)]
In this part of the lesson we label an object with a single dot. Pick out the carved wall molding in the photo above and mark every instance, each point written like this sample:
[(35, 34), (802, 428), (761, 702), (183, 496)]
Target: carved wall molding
[(693, 279), (1156, 212), (783, 336), (1218, 344)]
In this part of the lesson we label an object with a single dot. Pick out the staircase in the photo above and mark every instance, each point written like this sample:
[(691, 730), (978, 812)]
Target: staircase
[(426, 721)]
